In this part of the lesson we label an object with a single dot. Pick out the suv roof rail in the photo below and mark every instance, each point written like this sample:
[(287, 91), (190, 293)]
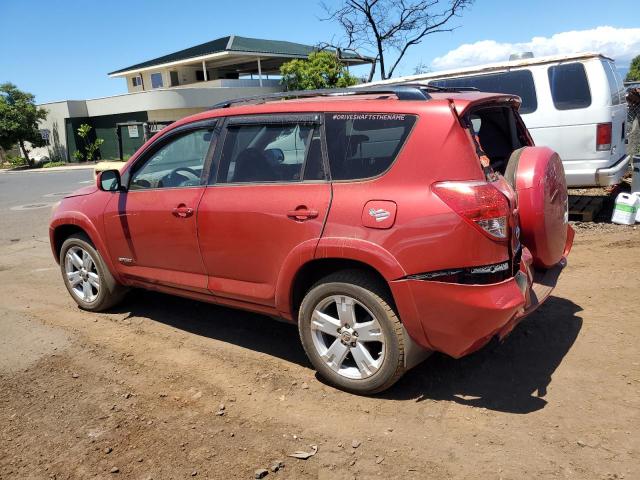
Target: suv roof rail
[(402, 92)]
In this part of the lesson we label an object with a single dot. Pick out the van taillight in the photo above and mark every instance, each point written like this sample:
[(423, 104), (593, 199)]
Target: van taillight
[(603, 136), (479, 203)]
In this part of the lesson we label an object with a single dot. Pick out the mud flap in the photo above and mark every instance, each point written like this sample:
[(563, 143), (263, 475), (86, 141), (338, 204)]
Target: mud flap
[(414, 354)]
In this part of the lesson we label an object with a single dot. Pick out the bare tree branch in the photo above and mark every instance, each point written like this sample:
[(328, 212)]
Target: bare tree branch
[(385, 29)]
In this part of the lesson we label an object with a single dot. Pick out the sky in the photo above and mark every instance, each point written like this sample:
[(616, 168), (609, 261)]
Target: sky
[(64, 49)]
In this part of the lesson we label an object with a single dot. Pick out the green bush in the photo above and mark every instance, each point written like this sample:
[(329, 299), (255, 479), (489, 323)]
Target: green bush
[(320, 70), (53, 164), (16, 161)]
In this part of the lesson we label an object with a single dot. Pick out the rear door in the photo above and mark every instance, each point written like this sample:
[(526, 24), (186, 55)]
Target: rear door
[(267, 204), (618, 110)]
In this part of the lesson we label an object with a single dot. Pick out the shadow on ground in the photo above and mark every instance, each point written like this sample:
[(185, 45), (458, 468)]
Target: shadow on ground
[(511, 376)]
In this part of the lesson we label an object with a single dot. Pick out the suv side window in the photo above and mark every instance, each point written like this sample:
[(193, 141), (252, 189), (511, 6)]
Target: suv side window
[(364, 145), (270, 153), (569, 86), (176, 164)]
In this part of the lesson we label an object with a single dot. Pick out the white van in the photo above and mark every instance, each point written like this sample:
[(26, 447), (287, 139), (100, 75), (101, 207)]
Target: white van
[(574, 104)]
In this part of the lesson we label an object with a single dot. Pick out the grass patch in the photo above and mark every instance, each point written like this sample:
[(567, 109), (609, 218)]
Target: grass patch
[(53, 164)]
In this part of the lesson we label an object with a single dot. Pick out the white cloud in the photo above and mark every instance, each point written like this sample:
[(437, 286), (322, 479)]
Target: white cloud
[(622, 44)]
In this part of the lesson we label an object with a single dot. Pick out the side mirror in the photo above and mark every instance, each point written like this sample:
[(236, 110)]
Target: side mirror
[(109, 181), (275, 155)]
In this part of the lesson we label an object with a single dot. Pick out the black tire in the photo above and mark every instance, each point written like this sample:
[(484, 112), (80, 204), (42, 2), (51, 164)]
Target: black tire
[(370, 292), (110, 292)]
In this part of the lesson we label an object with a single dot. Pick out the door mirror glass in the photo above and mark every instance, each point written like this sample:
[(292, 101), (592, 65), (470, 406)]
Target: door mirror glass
[(109, 181), (275, 155)]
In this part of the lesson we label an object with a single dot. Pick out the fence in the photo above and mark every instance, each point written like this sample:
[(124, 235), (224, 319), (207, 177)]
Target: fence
[(633, 126)]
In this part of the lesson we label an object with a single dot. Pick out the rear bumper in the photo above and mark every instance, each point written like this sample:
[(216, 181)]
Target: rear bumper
[(459, 319), (593, 173), (613, 175)]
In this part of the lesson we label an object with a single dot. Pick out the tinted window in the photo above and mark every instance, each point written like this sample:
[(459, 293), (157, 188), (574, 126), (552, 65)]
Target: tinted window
[(615, 87), (156, 80), (569, 86), (266, 153), (517, 82), (176, 164), (364, 145)]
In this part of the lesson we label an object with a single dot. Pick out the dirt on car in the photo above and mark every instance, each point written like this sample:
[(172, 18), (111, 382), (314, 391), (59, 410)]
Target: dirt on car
[(164, 387)]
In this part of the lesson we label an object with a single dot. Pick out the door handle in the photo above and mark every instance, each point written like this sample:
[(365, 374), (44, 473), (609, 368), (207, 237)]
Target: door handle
[(182, 211), (302, 213)]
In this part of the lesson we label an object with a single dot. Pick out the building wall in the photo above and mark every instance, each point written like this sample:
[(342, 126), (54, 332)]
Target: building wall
[(161, 105), (172, 114)]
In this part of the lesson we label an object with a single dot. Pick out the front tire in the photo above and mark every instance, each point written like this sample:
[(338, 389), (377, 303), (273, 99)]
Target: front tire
[(86, 276), (351, 332)]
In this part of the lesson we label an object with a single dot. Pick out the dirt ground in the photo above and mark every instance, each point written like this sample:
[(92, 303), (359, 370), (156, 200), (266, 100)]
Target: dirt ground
[(167, 388)]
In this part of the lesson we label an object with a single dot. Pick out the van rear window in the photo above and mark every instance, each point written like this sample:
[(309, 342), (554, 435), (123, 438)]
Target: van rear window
[(569, 86), (364, 145), (516, 82)]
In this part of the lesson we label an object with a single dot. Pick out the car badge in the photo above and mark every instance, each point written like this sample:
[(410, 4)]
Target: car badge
[(379, 214)]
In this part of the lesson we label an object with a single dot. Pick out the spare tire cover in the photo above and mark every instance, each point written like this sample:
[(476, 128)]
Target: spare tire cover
[(537, 176)]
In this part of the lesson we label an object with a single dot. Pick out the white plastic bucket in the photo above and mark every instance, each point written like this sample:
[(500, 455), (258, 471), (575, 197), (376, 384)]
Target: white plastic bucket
[(625, 209)]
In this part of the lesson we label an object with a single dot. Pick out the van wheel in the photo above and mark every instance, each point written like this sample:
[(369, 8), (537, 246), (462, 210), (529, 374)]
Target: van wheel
[(351, 333), (86, 276)]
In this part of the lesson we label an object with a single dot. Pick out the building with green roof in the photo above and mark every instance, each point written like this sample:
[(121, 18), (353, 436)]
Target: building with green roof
[(167, 88)]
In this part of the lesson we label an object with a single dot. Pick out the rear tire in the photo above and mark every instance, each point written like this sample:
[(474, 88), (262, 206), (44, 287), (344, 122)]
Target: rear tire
[(87, 277), (351, 332)]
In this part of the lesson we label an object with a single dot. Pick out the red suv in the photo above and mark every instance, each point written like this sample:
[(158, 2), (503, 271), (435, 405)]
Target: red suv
[(387, 223)]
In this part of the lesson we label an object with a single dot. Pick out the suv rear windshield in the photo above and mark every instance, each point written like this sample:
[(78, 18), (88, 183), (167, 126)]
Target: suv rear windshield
[(569, 86), (364, 145), (517, 82)]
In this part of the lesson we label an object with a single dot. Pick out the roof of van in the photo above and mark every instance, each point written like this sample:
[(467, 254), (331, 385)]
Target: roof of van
[(489, 67)]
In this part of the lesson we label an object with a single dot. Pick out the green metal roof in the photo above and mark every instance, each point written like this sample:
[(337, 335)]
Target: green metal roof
[(233, 43)]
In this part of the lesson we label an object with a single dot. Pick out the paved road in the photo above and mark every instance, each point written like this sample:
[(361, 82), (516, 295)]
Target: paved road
[(26, 199)]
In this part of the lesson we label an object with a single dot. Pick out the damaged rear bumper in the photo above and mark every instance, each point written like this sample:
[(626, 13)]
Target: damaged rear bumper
[(459, 319)]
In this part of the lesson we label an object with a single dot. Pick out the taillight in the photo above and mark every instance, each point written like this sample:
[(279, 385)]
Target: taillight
[(479, 203), (603, 136)]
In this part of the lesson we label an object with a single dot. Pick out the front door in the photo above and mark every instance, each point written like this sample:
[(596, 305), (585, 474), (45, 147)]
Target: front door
[(151, 228), (269, 201)]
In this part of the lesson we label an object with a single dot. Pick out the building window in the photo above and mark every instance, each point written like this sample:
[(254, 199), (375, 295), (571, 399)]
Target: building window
[(156, 80), (136, 81), (200, 75), (45, 137)]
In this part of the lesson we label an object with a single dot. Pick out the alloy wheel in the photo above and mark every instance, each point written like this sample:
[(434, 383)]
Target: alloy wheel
[(348, 337), (81, 274)]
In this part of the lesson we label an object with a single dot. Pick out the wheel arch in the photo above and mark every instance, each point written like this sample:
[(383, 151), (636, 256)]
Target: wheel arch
[(312, 260), (318, 268), (75, 222)]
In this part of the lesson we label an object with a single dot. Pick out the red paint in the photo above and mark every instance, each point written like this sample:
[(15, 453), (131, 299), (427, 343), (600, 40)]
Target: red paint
[(243, 245)]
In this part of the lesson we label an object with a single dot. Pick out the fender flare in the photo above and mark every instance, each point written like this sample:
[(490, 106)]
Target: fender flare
[(78, 219), (355, 249)]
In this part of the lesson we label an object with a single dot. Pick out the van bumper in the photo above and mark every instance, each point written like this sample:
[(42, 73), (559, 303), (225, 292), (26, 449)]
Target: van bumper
[(590, 175), (613, 175), (459, 319)]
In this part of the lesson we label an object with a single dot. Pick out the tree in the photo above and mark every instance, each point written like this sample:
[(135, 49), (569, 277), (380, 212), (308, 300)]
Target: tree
[(387, 26), (633, 75), (19, 119), (321, 70), (90, 147)]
